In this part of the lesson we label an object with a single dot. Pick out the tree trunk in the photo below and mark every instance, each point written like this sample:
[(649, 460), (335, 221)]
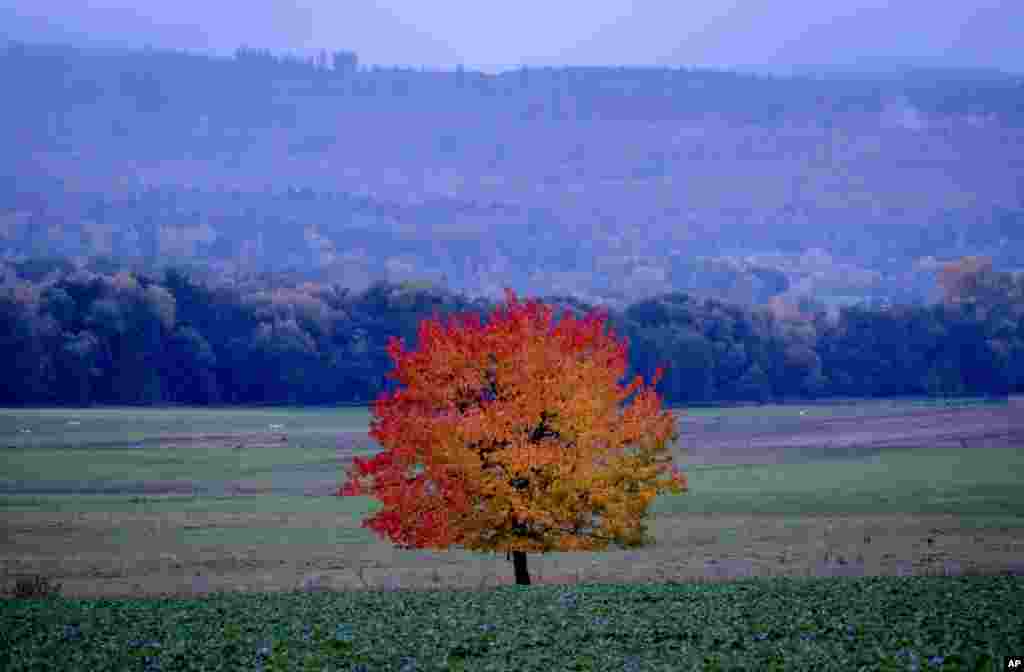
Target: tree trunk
[(519, 564)]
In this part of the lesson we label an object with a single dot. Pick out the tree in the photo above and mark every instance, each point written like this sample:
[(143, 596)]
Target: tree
[(58, 304), (512, 436), (803, 371), (77, 362), (345, 61), (754, 385), (285, 359), (21, 351), (960, 280), (189, 363)]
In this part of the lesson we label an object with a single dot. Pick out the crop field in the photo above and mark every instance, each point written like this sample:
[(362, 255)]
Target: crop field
[(825, 517)]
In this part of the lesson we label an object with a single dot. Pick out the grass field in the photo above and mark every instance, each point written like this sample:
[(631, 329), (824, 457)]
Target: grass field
[(812, 564)]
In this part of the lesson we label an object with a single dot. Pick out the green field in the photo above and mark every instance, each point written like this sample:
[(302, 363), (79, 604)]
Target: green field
[(127, 427), (66, 451), (976, 483), (124, 446)]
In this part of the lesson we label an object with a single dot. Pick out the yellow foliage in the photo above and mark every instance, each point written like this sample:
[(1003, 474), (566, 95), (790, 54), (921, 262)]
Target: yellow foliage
[(521, 422)]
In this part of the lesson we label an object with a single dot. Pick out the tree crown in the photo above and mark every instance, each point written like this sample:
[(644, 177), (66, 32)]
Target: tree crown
[(514, 436)]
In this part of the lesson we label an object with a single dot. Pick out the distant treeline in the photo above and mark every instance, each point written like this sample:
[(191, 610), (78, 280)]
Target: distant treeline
[(102, 335), (157, 80)]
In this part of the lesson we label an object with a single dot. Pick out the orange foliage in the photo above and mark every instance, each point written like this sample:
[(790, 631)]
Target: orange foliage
[(514, 436), (960, 279)]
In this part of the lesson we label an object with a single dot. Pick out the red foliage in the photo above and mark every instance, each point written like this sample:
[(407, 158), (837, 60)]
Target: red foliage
[(514, 436)]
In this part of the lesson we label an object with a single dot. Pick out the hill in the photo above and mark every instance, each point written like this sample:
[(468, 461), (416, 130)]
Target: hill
[(607, 184)]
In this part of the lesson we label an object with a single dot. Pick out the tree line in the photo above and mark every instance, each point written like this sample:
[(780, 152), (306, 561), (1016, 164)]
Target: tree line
[(157, 80), (99, 333)]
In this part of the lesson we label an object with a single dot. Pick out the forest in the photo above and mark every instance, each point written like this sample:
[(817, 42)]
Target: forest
[(106, 333), (608, 184)]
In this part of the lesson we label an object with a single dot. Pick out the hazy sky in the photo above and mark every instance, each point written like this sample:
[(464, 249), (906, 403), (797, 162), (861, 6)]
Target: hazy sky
[(498, 35)]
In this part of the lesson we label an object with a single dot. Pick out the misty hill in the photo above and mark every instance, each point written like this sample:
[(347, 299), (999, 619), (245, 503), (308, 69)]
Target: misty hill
[(607, 184)]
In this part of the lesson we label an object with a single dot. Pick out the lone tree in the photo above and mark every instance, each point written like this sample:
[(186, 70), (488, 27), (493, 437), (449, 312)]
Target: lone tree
[(515, 436)]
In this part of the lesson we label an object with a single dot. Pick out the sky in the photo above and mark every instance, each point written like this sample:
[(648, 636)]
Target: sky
[(492, 36)]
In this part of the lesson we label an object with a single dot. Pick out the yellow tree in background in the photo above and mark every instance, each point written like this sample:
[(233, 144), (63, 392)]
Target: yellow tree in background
[(960, 280)]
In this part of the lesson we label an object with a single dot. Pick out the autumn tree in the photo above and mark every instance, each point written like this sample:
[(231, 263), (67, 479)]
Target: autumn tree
[(516, 436), (961, 280)]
